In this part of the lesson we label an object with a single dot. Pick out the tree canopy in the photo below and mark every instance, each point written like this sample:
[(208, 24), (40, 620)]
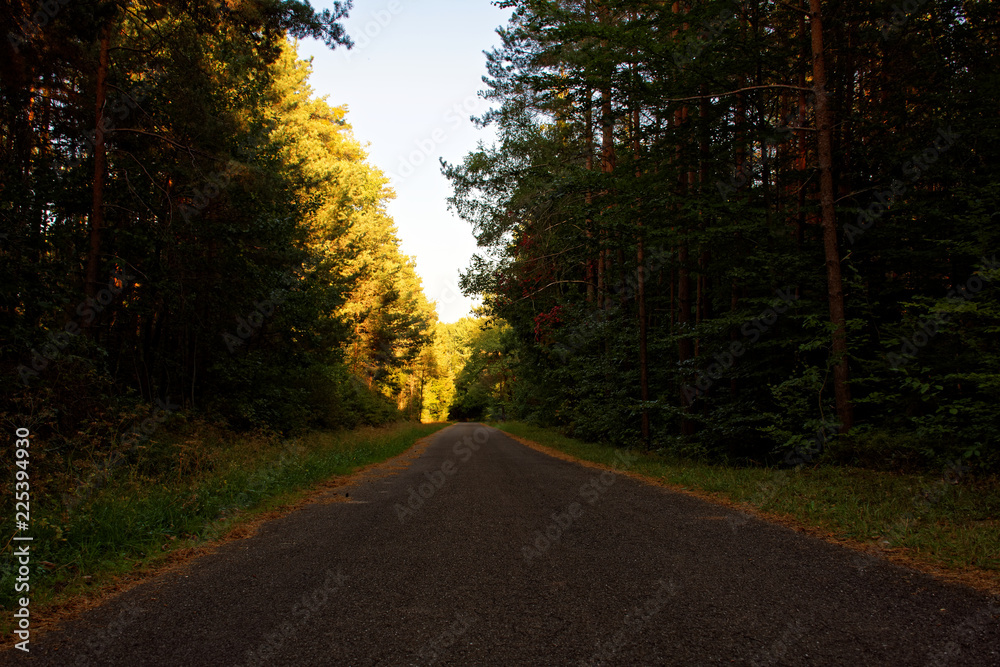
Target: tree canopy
[(185, 221), (745, 230)]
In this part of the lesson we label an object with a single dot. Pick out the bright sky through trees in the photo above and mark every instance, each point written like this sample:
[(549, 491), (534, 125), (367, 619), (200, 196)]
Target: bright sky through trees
[(410, 84)]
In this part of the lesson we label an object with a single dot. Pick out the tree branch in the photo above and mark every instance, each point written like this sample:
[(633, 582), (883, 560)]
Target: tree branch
[(740, 90)]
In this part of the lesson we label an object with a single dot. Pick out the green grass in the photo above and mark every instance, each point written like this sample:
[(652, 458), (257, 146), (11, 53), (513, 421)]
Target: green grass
[(181, 490), (955, 526)]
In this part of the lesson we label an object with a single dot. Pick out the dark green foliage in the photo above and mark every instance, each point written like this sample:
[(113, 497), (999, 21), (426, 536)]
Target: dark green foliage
[(709, 115), (482, 388), (224, 261)]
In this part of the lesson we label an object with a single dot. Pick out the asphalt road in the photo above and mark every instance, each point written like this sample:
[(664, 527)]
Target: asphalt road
[(464, 574)]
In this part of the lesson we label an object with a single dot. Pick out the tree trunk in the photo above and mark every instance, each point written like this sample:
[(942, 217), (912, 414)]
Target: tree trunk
[(824, 126), (684, 348), (100, 166), (741, 153), (640, 258), (589, 143)]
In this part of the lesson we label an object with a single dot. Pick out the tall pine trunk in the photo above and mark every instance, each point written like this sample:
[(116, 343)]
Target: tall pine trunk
[(835, 287), (640, 258), (684, 347), (100, 167)]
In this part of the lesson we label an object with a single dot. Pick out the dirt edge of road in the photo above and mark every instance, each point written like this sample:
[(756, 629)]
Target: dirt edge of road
[(980, 580), (48, 618)]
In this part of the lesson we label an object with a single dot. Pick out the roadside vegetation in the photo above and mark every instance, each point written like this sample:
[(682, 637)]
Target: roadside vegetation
[(756, 243), (717, 229), (204, 305), (184, 488), (944, 519)]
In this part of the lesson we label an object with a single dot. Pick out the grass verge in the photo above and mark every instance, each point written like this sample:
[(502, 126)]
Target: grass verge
[(924, 521), (183, 492)]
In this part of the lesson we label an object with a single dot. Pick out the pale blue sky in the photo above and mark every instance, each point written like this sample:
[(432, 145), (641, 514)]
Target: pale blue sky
[(410, 85)]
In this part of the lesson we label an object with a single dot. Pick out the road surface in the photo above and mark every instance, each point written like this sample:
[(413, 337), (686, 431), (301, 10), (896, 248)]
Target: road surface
[(482, 551)]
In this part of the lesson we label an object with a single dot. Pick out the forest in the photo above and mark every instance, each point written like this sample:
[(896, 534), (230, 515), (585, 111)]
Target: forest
[(186, 224), (755, 232), (204, 303), (747, 232), (737, 270)]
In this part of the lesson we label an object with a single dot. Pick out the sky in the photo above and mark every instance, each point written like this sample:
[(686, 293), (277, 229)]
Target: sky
[(410, 85)]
